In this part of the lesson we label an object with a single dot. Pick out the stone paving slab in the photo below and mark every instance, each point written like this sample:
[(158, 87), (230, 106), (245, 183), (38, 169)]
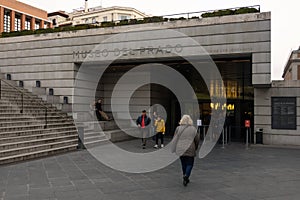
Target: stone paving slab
[(232, 173)]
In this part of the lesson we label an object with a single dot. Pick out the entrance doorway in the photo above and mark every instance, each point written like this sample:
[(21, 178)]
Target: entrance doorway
[(236, 72), (237, 78)]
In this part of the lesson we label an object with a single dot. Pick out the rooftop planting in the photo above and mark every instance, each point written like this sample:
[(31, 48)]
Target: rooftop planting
[(154, 19)]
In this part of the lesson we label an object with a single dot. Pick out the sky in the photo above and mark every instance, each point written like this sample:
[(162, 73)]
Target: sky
[(285, 32)]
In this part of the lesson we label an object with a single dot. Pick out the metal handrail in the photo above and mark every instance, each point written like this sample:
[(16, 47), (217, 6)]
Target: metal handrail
[(188, 14), (206, 11), (22, 99)]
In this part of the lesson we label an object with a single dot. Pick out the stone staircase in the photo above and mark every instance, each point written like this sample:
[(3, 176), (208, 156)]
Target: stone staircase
[(94, 135), (33, 128)]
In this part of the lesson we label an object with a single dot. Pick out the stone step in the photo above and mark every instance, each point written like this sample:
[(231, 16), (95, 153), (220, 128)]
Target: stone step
[(27, 111), (33, 121), (18, 96), (96, 143), (105, 125), (36, 136), (93, 133), (88, 139), (35, 115), (119, 135), (39, 147), (23, 135), (10, 90), (20, 123), (28, 104), (18, 118), (19, 101), (18, 144), (35, 126), (35, 131), (11, 82), (25, 118), (37, 154)]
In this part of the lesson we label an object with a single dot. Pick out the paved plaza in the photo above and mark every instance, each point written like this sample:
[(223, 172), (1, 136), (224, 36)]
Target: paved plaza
[(231, 173)]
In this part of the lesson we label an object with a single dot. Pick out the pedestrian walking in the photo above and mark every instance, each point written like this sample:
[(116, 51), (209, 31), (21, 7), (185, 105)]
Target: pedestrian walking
[(153, 129), (185, 144), (160, 129), (142, 122)]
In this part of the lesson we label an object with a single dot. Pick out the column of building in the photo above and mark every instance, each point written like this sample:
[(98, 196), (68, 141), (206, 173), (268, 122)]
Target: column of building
[(23, 19), (1, 21), (32, 23), (12, 20)]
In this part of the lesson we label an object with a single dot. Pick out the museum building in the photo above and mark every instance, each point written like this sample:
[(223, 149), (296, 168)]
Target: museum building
[(239, 45)]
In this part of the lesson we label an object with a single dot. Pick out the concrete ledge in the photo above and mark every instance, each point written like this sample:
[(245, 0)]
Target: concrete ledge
[(276, 146), (38, 91), (120, 136)]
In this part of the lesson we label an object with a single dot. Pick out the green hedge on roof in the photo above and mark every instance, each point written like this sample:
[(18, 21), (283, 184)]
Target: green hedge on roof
[(219, 13)]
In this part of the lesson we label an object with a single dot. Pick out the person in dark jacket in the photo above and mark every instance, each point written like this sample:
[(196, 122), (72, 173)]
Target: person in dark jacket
[(101, 115), (143, 123), (185, 144)]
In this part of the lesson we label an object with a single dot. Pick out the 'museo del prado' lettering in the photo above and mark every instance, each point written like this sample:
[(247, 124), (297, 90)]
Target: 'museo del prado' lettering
[(127, 52)]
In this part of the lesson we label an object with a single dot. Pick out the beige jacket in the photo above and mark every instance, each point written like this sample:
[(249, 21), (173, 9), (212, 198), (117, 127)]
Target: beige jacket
[(185, 141)]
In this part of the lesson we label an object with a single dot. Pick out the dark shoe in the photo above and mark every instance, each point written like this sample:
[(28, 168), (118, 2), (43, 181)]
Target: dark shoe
[(185, 180), (144, 146)]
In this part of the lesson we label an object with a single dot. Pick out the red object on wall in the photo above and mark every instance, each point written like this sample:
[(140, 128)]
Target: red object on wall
[(247, 123)]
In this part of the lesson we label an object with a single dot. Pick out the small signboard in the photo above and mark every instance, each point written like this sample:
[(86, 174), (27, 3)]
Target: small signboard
[(247, 123), (199, 122), (284, 113)]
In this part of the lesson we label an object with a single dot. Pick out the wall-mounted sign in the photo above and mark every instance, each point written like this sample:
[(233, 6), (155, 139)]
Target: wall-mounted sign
[(284, 113), (199, 122), (247, 123)]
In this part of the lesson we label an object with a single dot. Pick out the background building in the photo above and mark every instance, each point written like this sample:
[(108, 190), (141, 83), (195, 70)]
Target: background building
[(18, 16), (292, 68), (94, 15)]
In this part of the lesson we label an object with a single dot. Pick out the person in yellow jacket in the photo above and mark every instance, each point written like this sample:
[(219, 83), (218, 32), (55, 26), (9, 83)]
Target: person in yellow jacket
[(160, 131)]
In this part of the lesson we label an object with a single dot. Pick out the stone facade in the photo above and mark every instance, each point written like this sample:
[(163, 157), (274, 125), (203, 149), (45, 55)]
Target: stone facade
[(292, 68), (263, 112), (54, 59)]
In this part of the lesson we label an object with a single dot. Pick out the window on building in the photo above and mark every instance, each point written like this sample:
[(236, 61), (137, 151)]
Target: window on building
[(51, 91), (123, 17), (21, 84), (37, 25), (86, 21), (105, 19), (94, 20), (27, 24), (66, 100), (6, 22), (54, 22), (38, 84), (284, 113), (298, 72), (18, 22)]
